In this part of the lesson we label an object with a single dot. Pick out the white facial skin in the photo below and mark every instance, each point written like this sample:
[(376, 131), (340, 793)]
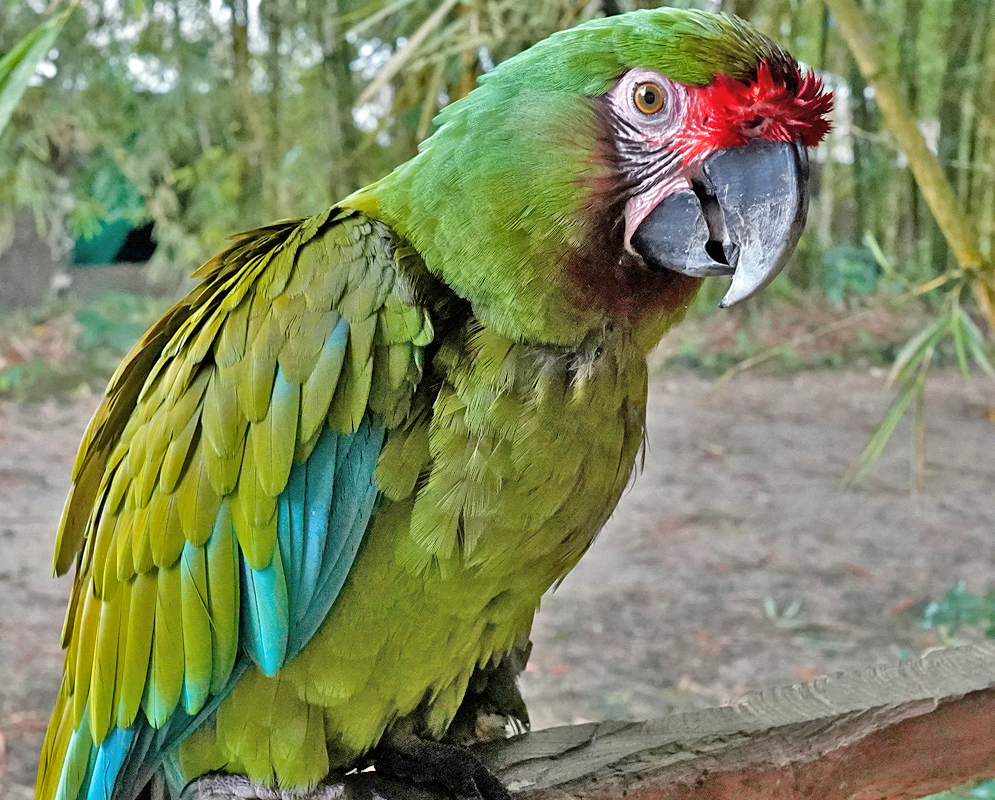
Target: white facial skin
[(646, 143)]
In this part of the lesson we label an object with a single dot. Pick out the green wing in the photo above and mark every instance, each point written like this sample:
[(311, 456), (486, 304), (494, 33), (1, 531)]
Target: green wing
[(300, 333)]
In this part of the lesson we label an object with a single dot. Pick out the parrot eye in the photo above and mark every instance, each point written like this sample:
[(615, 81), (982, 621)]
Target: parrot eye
[(649, 98)]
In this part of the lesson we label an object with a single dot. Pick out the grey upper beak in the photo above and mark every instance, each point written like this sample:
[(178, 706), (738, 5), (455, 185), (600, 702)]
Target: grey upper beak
[(743, 217)]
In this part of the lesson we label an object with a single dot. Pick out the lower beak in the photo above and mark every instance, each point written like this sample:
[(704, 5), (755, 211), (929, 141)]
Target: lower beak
[(742, 217)]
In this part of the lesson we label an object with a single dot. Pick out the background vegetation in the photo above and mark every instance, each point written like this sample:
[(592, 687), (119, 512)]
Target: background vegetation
[(228, 113), (224, 114), (211, 116)]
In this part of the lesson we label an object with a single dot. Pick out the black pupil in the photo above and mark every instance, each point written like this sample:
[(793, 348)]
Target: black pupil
[(648, 96)]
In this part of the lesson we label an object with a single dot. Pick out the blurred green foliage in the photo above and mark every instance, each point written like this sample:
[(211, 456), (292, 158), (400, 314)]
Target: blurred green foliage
[(63, 349), (115, 321), (849, 269), (221, 115), (958, 609), (228, 114)]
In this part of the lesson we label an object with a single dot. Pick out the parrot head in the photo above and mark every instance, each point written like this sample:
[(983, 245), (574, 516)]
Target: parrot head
[(593, 180)]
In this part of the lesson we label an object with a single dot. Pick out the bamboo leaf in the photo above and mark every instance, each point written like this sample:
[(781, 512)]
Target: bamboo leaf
[(935, 283), (912, 353), (960, 336), (975, 341), (374, 19), (17, 66), (876, 444), (887, 268)]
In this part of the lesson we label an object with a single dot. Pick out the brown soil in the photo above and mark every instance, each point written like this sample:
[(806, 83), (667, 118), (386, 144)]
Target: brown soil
[(736, 561)]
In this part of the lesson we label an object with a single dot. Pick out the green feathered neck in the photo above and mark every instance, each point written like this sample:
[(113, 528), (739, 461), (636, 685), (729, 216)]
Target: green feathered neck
[(503, 198)]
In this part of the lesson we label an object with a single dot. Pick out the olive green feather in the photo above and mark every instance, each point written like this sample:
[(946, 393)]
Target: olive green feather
[(139, 633), (198, 655), (184, 461), (223, 594)]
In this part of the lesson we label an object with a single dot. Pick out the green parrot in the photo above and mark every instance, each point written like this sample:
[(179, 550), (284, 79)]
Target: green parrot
[(324, 494)]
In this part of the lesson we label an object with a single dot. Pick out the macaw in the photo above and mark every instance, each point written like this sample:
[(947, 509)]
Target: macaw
[(325, 492)]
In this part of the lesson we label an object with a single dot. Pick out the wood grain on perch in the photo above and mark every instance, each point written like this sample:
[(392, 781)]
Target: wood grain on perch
[(896, 731)]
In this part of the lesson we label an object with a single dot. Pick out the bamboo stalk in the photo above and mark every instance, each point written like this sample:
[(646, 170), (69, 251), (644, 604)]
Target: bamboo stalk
[(954, 223), (984, 153), (400, 58)]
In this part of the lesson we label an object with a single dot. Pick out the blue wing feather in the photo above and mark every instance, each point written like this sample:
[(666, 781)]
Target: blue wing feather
[(292, 519), (313, 495), (339, 491), (323, 514), (110, 757), (266, 614), (78, 764), (324, 511), (352, 508), (289, 545)]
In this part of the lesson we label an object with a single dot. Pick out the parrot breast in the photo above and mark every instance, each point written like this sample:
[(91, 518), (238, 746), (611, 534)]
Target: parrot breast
[(509, 475)]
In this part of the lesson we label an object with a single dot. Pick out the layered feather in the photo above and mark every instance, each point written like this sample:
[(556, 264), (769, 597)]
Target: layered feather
[(201, 516)]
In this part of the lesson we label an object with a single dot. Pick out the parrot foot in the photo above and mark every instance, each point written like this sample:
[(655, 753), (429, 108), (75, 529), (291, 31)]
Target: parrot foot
[(493, 707), (458, 771)]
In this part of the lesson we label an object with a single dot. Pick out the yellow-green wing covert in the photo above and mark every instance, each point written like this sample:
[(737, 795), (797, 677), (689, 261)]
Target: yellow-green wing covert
[(224, 484)]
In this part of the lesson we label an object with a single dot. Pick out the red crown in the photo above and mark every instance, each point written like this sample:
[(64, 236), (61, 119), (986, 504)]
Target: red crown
[(781, 104)]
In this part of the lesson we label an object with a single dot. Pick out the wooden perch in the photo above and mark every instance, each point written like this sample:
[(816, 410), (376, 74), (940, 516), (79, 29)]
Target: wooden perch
[(901, 731)]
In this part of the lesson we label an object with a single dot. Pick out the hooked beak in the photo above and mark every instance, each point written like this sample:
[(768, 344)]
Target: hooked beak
[(742, 217)]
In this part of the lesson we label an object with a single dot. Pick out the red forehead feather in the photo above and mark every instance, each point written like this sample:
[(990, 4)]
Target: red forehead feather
[(789, 106)]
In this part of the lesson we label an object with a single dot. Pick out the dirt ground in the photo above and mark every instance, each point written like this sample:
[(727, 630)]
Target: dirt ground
[(736, 560)]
